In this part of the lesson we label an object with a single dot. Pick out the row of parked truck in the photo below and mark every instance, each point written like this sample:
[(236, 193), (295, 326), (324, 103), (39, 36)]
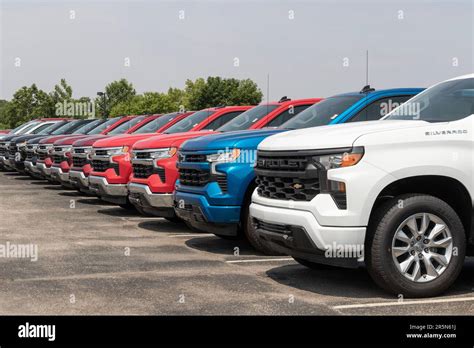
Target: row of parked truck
[(381, 178)]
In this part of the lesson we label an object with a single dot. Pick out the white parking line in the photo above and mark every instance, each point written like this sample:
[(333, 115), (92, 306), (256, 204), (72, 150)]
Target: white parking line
[(404, 303), (191, 235), (261, 260)]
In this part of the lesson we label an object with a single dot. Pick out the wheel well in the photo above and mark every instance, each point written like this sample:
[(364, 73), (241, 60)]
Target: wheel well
[(247, 197), (447, 189)]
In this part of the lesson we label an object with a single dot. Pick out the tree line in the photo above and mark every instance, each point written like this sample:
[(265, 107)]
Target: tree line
[(120, 98)]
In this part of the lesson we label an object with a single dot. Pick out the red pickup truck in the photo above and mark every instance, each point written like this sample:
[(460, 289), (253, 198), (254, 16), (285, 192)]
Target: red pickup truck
[(62, 150), (81, 149), (154, 160), (46, 146), (111, 157)]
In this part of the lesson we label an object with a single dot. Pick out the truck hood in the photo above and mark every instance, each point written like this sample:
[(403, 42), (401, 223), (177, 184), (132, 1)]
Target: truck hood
[(123, 140), (332, 136), (89, 140), (9, 137), (69, 140), (168, 140), (26, 137), (37, 140), (53, 138), (239, 139)]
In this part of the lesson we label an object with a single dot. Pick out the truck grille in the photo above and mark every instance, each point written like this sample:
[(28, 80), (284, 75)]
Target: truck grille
[(79, 150), (195, 158), (144, 171), (100, 166), (142, 155), (29, 155), (3, 151), (12, 151), (58, 159), (289, 176), (222, 181), (99, 152), (79, 161), (271, 227), (193, 177)]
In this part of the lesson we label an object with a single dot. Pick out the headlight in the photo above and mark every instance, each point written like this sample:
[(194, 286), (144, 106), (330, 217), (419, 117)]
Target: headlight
[(20, 145), (118, 151), (344, 159), (164, 153), (224, 156), (49, 148)]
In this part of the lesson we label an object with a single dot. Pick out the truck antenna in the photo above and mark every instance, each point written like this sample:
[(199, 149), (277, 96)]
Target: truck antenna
[(366, 67)]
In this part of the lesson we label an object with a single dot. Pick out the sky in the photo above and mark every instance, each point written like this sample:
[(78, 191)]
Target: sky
[(307, 48)]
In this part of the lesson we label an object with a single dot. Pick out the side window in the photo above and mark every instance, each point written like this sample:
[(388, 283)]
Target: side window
[(379, 108), (286, 115), (222, 120)]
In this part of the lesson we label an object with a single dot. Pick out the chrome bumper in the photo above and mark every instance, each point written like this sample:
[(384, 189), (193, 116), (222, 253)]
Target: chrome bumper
[(30, 167), (78, 178), (7, 162), (100, 186), (58, 174), (156, 200), (43, 169)]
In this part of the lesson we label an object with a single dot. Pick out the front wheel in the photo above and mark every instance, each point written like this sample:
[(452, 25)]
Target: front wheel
[(417, 246)]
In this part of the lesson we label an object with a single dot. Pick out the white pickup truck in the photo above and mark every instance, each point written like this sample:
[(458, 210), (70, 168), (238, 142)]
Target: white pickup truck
[(396, 195)]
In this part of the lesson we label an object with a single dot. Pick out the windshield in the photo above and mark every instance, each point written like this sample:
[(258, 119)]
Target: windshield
[(28, 128), (322, 113), (124, 127), (22, 126), (88, 127), (445, 102), (52, 128), (42, 128), (157, 123), (103, 126), (246, 119), (189, 122), (69, 127)]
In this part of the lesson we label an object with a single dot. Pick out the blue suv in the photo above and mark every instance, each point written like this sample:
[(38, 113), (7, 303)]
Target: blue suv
[(220, 204)]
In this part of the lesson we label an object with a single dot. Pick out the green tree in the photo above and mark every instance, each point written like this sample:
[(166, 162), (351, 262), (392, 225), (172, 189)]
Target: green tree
[(116, 92), (4, 124), (216, 91), (146, 103), (28, 103)]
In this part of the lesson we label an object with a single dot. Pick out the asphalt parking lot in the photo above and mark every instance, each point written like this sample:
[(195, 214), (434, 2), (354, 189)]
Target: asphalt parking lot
[(96, 258)]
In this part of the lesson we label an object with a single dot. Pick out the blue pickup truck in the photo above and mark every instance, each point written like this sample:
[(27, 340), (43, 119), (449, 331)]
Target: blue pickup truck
[(220, 204)]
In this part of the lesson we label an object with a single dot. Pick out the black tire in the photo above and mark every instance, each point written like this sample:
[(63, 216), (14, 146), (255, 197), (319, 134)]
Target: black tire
[(251, 234), (382, 228), (314, 265)]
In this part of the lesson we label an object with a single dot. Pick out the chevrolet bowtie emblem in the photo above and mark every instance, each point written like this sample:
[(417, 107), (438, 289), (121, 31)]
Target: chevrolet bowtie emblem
[(297, 186)]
